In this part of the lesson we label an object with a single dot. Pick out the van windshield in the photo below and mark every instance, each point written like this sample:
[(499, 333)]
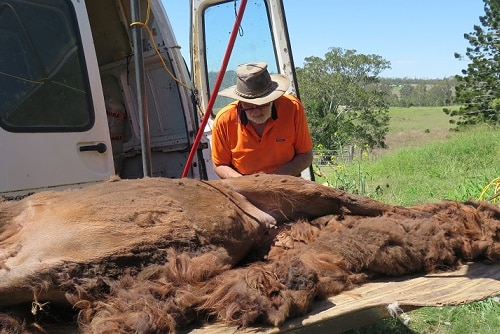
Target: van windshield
[(43, 82)]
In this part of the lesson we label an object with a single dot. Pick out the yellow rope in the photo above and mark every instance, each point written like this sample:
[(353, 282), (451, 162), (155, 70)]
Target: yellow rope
[(144, 25), (496, 191)]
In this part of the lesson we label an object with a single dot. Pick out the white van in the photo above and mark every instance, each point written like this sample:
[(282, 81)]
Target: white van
[(94, 88)]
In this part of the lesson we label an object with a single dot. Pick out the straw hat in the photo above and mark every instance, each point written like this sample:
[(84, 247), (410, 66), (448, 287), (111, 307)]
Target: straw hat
[(255, 85)]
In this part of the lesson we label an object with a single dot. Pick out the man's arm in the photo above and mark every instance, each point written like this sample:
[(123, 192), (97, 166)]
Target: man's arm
[(295, 166), (225, 171)]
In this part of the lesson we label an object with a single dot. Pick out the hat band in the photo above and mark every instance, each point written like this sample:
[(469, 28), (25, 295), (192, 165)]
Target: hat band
[(253, 96)]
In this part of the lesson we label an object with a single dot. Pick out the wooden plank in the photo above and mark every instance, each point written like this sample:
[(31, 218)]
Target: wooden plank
[(369, 302)]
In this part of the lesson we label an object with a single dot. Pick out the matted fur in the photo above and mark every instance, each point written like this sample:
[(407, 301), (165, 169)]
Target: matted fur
[(156, 255)]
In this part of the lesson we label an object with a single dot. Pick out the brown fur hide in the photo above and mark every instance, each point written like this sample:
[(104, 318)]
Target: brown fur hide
[(156, 255)]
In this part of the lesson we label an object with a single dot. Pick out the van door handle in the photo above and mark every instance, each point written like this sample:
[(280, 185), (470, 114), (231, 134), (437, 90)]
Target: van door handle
[(100, 147)]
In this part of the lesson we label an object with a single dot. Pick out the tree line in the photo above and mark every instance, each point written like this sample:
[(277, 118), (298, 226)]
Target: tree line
[(406, 92)]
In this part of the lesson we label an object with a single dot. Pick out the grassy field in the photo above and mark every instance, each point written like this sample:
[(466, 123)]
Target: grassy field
[(458, 167), (425, 163)]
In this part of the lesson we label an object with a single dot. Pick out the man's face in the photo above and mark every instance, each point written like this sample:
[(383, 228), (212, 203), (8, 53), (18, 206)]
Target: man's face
[(258, 114)]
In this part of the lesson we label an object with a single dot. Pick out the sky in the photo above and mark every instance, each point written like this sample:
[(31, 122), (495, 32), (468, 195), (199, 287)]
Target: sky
[(418, 37)]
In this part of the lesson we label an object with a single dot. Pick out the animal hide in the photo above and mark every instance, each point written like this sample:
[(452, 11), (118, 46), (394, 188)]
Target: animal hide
[(156, 255)]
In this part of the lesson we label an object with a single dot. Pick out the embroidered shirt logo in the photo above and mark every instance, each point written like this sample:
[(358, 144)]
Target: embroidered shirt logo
[(280, 140)]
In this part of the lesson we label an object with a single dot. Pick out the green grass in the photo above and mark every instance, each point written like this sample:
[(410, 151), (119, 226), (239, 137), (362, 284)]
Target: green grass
[(454, 165), (456, 168), (425, 162), (479, 318)]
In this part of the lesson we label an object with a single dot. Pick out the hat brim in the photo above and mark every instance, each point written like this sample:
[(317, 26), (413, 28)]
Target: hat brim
[(280, 81)]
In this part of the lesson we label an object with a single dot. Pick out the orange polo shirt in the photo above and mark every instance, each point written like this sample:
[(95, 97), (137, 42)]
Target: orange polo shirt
[(239, 146)]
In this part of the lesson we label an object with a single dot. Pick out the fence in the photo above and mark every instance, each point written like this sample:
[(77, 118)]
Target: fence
[(342, 156)]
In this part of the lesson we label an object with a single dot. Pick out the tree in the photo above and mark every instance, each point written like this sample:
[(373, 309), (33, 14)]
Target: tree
[(479, 87), (345, 104)]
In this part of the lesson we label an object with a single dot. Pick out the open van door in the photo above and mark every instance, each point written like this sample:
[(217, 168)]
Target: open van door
[(52, 120), (262, 36)]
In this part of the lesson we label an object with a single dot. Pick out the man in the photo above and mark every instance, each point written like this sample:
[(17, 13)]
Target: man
[(264, 130)]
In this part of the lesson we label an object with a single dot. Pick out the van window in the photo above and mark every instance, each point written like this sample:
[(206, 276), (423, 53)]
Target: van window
[(43, 83)]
